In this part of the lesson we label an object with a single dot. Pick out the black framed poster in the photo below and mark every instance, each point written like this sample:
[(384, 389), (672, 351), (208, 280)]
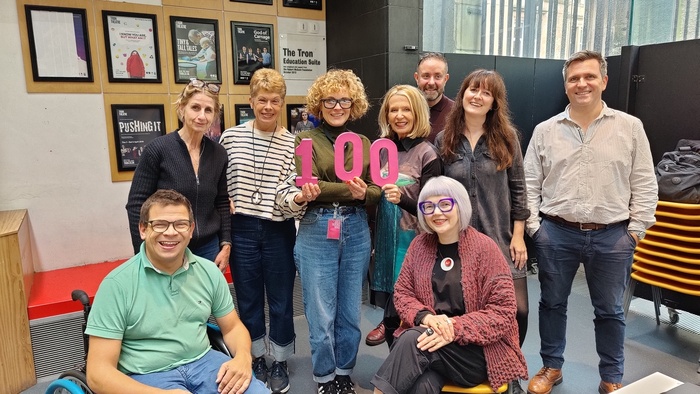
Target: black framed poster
[(244, 113), (59, 44), (309, 4), (131, 44), (253, 48), (195, 49), (299, 119), (135, 125)]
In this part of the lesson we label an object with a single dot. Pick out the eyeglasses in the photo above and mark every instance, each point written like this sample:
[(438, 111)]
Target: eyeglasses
[(330, 103), (199, 84), (444, 205), (161, 226)]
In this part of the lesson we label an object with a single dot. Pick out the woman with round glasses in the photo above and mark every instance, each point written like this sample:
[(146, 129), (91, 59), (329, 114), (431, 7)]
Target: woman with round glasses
[(193, 165), (404, 118), (480, 148), (456, 301), (333, 245)]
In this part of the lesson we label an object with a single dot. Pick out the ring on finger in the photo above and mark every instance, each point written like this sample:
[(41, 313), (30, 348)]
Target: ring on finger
[(429, 331)]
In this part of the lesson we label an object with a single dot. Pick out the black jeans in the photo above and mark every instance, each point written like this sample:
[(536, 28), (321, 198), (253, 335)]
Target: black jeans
[(409, 370)]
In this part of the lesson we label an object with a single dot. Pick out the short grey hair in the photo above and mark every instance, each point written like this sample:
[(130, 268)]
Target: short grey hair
[(586, 55), (446, 186), (432, 55)]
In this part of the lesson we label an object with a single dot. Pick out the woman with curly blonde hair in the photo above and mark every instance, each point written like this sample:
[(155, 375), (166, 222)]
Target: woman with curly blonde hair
[(333, 245)]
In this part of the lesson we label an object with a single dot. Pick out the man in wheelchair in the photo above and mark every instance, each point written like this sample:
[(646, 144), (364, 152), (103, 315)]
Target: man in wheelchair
[(147, 325)]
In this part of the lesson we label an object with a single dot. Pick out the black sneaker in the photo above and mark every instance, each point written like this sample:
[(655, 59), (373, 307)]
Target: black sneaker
[(344, 384), (327, 388), (260, 369), (279, 377)]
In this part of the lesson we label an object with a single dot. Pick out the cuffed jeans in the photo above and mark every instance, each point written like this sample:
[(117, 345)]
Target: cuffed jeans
[(332, 272), (262, 263), (196, 377), (607, 259)]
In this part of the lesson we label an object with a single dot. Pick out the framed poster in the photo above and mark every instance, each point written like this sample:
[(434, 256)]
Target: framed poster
[(195, 49), (309, 4), (59, 44), (131, 44), (267, 2), (244, 113), (298, 119), (252, 49), (135, 125)]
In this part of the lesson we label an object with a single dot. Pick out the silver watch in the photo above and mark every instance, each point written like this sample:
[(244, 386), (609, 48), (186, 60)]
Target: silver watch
[(640, 234)]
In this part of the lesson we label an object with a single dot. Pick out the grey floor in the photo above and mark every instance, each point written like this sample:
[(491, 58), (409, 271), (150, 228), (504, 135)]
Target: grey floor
[(669, 349)]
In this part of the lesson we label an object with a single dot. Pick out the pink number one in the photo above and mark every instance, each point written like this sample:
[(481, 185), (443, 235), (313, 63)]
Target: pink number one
[(305, 152), (375, 165), (356, 170)]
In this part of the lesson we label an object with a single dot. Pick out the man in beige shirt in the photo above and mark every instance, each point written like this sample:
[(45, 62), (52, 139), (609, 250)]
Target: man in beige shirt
[(592, 194)]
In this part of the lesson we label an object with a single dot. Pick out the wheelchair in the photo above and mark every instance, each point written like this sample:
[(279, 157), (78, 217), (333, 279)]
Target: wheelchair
[(74, 381)]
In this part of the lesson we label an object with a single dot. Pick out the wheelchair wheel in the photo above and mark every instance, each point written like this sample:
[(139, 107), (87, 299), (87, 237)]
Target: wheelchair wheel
[(63, 386), (78, 378)]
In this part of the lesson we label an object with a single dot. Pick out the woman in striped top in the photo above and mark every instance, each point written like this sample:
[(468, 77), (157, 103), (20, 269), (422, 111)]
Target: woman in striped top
[(259, 152)]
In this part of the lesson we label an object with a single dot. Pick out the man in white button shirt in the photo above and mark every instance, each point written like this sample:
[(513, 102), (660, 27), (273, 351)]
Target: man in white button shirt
[(592, 194)]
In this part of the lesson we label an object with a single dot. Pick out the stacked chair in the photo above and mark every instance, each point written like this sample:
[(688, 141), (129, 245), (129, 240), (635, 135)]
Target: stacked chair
[(668, 259)]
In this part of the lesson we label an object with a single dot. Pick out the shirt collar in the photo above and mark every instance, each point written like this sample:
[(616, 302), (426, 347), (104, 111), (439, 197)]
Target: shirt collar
[(606, 111), (188, 259), (405, 144)]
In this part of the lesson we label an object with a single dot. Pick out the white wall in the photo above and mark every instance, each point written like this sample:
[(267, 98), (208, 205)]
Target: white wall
[(54, 161)]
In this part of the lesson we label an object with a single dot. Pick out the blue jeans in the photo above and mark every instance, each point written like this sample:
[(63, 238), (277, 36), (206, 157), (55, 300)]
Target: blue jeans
[(208, 250), (196, 377), (607, 259), (262, 264), (332, 272)]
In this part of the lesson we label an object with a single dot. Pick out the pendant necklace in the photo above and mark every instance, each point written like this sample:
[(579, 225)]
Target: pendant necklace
[(257, 197), (446, 263)]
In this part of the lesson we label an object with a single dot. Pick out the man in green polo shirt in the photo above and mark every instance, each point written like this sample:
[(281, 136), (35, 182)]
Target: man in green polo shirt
[(147, 326)]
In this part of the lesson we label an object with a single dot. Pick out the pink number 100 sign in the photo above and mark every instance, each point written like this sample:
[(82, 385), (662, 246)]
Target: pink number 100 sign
[(305, 152)]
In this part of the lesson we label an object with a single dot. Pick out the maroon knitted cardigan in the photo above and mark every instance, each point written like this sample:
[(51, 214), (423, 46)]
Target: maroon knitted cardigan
[(489, 299)]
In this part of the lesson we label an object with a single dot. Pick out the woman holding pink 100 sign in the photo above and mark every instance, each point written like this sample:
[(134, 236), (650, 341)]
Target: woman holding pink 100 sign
[(332, 249), (404, 118)]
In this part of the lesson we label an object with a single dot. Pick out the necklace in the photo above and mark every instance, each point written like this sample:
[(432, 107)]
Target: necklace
[(446, 263), (257, 197)]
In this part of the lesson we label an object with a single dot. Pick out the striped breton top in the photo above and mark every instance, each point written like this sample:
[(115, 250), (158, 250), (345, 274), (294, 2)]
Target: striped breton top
[(249, 169)]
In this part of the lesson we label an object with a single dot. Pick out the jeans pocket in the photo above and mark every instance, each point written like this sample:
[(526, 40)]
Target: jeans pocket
[(309, 218)]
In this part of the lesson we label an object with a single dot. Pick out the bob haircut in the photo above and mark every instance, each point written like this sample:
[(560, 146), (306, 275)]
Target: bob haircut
[(446, 186), (581, 56), (334, 81), (419, 108), (184, 97), (267, 80), (164, 198)]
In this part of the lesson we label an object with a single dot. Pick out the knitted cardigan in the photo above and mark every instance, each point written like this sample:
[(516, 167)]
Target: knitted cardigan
[(489, 300)]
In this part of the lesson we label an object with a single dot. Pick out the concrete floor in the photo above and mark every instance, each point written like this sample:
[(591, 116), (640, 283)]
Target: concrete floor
[(670, 349)]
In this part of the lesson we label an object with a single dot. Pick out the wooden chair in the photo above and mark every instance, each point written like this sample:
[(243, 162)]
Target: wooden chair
[(483, 388)]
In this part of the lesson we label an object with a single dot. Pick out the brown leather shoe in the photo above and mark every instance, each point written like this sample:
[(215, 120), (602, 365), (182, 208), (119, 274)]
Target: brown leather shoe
[(607, 387), (544, 380), (376, 336)]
